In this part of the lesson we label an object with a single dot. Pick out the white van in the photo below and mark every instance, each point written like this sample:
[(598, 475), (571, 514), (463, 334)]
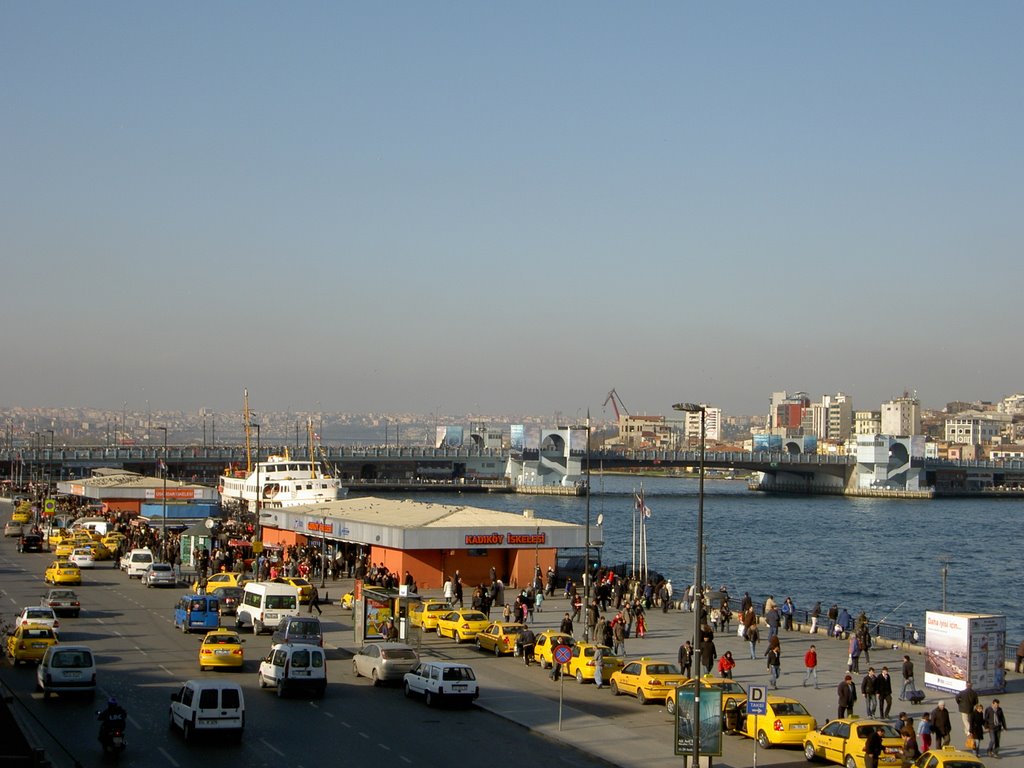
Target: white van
[(67, 669), (208, 705), (264, 604), (295, 668), (137, 562), (99, 525)]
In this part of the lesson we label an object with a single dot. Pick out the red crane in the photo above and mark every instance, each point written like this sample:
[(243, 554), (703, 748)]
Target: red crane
[(616, 401)]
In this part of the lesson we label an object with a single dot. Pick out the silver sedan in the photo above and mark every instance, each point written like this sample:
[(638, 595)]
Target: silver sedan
[(382, 662)]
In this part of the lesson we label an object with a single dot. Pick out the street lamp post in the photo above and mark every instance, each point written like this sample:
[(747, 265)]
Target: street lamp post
[(163, 517), (49, 465), (698, 597), (586, 561), (256, 528)]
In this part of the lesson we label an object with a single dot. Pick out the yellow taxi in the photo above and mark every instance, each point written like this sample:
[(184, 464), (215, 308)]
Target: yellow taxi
[(28, 642), (733, 694), (499, 637), (302, 585), (425, 615), (842, 741), (948, 757), (113, 540), (23, 514), (99, 550), (544, 648), (223, 579), (221, 648), (647, 679), (581, 664), (787, 723), (62, 572), (65, 548), (462, 624)]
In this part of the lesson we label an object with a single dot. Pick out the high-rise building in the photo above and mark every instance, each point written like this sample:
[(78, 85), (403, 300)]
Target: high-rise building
[(712, 424), (840, 416), (867, 422), (901, 417)]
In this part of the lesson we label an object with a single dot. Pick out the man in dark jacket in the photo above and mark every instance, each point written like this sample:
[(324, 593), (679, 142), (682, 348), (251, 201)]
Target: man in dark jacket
[(995, 724), (869, 690), (966, 701), (686, 659), (908, 678), (873, 748), (940, 726), (527, 641), (883, 689), (847, 693)]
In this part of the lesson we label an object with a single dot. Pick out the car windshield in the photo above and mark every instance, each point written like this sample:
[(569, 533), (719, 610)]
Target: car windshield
[(888, 732), (398, 653), (215, 639), (663, 669), (473, 616)]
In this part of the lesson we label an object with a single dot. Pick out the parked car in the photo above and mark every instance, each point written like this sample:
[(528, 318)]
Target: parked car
[(210, 706), (67, 669), (647, 679), (383, 662), (221, 648), (160, 575), (581, 663), (28, 642), (439, 681), (226, 579), (64, 602), (12, 529), (302, 585), (733, 693), (462, 624), (499, 637), (427, 613), (786, 723), (545, 644), (842, 741)]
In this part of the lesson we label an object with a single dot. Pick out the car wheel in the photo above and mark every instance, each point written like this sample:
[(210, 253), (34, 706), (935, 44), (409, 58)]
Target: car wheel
[(186, 731), (428, 697), (355, 668), (544, 664), (762, 740), (579, 676), (262, 682), (670, 705), (497, 649), (280, 689), (809, 753), (850, 762), (257, 627), (408, 691), (46, 694), (641, 696), (615, 688), (170, 721), (375, 677), (184, 627)]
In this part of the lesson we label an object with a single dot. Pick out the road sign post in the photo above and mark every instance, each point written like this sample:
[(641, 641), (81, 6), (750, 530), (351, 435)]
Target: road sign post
[(561, 655), (757, 704)]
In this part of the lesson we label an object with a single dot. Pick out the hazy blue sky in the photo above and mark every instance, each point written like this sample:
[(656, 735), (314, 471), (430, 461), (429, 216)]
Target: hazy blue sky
[(509, 207)]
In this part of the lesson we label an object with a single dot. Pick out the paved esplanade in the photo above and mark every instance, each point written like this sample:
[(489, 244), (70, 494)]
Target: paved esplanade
[(622, 732)]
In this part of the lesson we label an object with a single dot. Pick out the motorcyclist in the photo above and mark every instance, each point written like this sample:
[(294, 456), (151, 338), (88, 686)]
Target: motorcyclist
[(112, 719)]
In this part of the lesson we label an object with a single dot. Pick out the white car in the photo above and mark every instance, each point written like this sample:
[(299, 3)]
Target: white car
[(160, 575), (439, 681), (208, 705), (82, 557), (38, 614)]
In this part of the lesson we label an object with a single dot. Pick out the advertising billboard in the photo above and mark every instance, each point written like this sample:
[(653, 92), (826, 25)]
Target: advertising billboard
[(518, 438), (961, 647), (710, 720)]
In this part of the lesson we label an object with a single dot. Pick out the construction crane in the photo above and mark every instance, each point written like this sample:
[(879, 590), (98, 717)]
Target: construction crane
[(616, 401)]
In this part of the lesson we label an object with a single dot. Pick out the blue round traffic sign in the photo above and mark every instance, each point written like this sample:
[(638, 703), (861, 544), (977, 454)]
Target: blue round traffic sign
[(562, 654)]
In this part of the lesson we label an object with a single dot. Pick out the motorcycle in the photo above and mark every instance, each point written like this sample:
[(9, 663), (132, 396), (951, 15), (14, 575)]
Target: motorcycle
[(112, 737)]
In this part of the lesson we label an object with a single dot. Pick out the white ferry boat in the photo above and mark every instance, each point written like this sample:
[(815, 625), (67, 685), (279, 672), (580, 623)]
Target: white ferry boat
[(280, 481)]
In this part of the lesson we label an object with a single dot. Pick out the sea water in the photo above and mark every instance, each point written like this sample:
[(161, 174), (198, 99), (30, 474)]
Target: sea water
[(881, 556)]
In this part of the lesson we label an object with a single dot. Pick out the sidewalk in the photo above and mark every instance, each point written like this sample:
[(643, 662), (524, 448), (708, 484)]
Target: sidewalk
[(619, 731)]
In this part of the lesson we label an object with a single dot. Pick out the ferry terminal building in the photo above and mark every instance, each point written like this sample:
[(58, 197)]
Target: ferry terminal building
[(432, 541)]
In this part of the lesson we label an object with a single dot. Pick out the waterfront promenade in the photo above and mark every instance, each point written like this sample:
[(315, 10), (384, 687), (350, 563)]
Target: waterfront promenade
[(619, 731)]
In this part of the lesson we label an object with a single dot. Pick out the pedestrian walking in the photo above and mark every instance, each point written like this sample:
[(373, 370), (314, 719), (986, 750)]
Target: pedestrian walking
[(976, 728), (853, 659), (773, 657), (527, 641), (924, 730), (752, 637), (708, 654), (995, 724), (846, 693), (811, 666), (869, 689), (883, 690), (815, 615), (908, 678), (941, 726), (966, 701), (314, 601), (599, 666), (686, 659), (726, 664)]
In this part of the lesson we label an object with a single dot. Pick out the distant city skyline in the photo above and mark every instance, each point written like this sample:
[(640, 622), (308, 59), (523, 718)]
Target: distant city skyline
[(510, 209)]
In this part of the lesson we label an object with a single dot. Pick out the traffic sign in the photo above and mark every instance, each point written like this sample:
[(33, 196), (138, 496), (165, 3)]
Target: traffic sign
[(562, 654), (49, 507), (757, 700)]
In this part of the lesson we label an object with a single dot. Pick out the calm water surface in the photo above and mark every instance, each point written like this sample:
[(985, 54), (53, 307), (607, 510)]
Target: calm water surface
[(877, 555)]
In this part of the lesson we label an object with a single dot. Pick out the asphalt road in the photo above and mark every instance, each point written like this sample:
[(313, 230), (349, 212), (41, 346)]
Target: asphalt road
[(142, 659)]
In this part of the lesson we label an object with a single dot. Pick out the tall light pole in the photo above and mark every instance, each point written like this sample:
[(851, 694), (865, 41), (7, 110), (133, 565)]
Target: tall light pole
[(163, 467), (586, 563), (49, 464), (256, 528), (698, 597)]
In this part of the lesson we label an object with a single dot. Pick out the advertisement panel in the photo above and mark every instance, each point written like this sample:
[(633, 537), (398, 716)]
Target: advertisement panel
[(518, 438), (449, 437), (710, 720), (961, 647), (763, 442)]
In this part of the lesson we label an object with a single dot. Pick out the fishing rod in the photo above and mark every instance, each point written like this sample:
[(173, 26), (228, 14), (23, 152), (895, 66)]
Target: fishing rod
[(890, 613)]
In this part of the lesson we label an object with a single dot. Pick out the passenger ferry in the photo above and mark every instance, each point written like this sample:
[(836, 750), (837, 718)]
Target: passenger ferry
[(281, 482)]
